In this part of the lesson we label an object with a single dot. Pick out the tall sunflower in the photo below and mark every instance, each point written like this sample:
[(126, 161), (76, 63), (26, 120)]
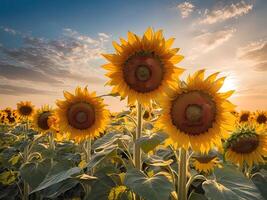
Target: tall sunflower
[(260, 117), (82, 114), (143, 68), (25, 109), (206, 162), (41, 119), (196, 114), (247, 144)]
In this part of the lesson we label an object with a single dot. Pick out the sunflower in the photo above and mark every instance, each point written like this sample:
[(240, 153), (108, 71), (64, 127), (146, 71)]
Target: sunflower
[(260, 117), (143, 68), (41, 119), (3, 116), (247, 144), (196, 114), (206, 162), (82, 114), (8, 117), (244, 116), (25, 109)]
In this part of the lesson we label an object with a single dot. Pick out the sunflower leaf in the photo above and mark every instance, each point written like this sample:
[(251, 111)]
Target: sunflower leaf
[(157, 187), (230, 184)]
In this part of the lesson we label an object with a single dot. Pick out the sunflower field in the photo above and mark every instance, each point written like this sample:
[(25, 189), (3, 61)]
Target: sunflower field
[(176, 140)]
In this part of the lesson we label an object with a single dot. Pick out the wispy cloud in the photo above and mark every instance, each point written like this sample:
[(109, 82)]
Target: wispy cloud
[(185, 8), (226, 12), (50, 63), (22, 91), (256, 54), (207, 41)]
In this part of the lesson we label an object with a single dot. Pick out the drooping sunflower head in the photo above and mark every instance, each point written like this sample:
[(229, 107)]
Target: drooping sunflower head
[(197, 115), (143, 67), (206, 162), (247, 144), (260, 117), (25, 109), (82, 114), (244, 117), (41, 119)]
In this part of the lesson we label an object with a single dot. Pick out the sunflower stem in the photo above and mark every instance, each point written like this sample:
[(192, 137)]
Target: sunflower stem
[(26, 155), (182, 179), (137, 150), (51, 140)]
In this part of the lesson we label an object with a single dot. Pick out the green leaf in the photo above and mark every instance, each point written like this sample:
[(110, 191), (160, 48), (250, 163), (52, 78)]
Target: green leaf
[(52, 179), (101, 188), (156, 187), (196, 196), (101, 155), (157, 161), (109, 139), (57, 189), (8, 177), (148, 143), (261, 182), (230, 184), (14, 159), (34, 173)]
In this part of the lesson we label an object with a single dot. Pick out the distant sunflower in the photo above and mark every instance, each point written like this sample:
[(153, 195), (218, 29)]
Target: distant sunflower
[(261, 117), (8, 117), (41, 119), (82, 114), (143, 68), (247, 144), (196, 114), (25, 109), (206, 162), (244, 116), (3, 116)]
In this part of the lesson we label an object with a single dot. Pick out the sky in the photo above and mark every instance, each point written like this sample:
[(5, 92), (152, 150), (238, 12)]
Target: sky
[(50, 46)]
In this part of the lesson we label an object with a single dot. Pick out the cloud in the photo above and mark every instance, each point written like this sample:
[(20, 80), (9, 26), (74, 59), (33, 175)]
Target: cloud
[(9, 30), (207, 41), (13, 72), (53, 61), (226, 12), (255, 53), (186, 8), (22, 91)]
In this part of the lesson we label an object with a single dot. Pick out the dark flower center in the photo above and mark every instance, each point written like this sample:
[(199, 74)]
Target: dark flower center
[(245, 145), (25, 110), (193, 112), (81, 115), (261, 119), (43, 120), (143, 72), (244, 117)]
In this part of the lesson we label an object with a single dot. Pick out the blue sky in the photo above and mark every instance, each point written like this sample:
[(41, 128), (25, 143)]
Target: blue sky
[(50, 46)]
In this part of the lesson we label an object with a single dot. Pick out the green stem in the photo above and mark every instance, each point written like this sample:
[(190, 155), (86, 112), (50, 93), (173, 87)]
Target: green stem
[(181, 191), (88, 148), (137, 150), (26, 155), (51, 140)]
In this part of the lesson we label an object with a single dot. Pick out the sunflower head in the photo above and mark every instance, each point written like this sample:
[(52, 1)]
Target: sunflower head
[(244, 117), (42, 119), (205, 162), (3, 116), (143, 67), (82, 114), (8, 116), (197, 115), (247, 144), (260, 117), (25, 109)]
